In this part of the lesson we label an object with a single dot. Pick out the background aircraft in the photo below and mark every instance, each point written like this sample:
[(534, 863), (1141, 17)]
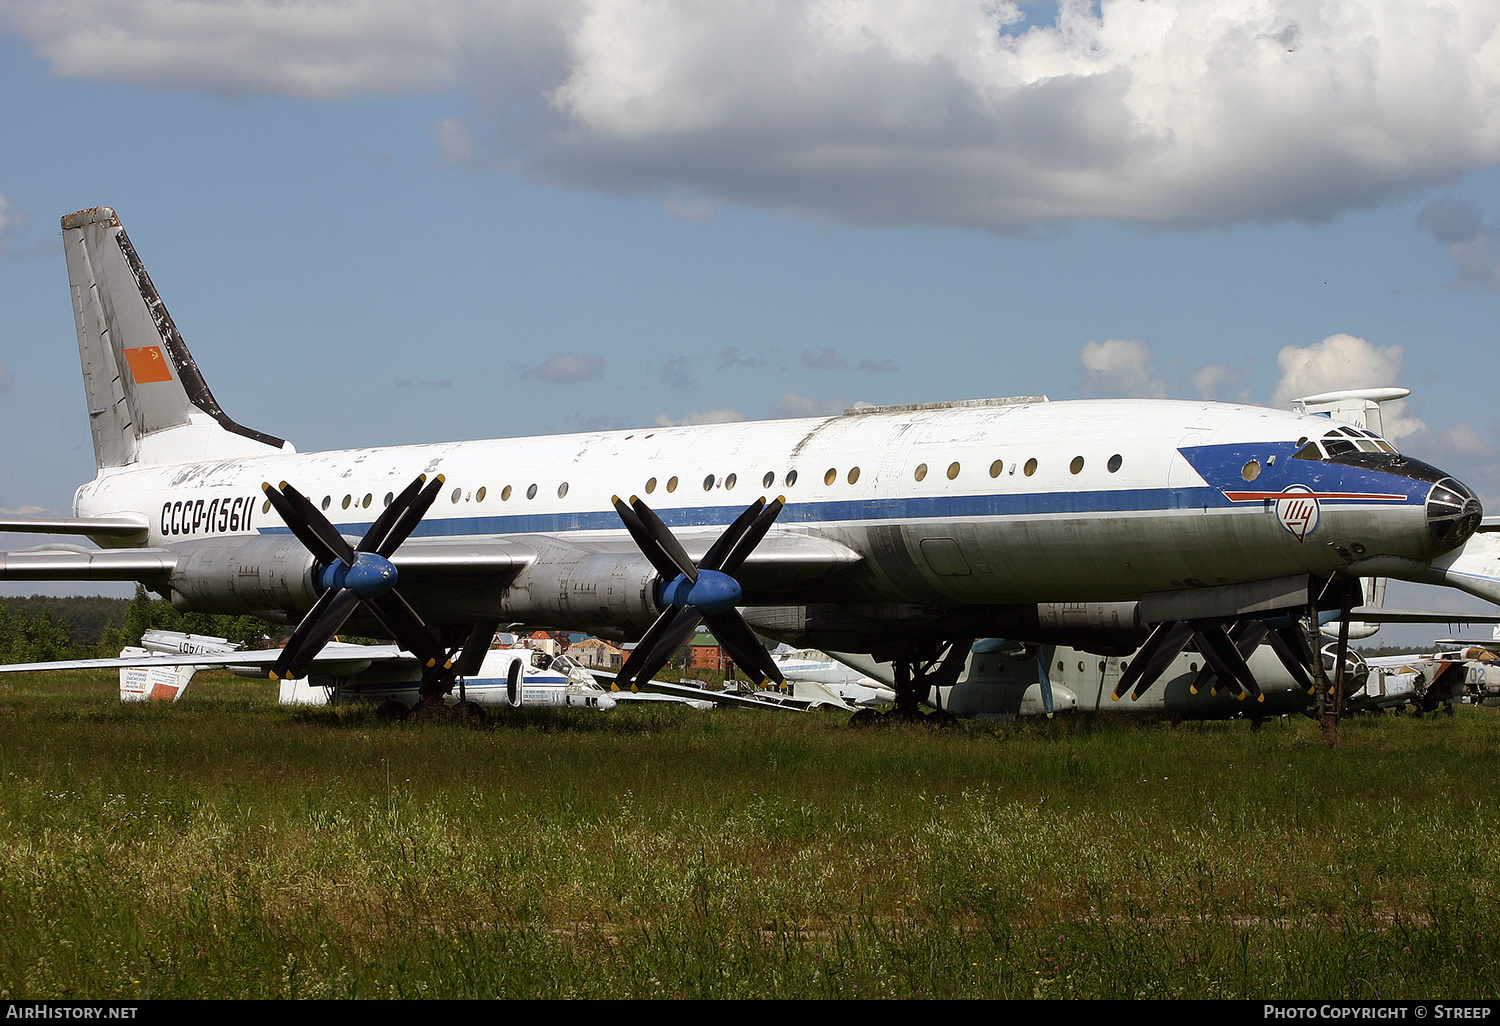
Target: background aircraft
[(901, 532)]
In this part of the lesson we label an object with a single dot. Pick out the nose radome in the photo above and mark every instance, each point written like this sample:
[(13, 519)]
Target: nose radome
[(1453, 513)]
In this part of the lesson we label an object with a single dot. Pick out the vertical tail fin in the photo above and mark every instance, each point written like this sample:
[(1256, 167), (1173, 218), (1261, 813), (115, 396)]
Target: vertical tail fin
[(147, 401)]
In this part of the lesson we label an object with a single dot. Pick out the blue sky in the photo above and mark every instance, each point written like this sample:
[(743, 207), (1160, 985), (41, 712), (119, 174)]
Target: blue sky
[(383, 223)]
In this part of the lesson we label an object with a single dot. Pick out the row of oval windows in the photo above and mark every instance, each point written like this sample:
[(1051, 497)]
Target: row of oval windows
[(919, 474)]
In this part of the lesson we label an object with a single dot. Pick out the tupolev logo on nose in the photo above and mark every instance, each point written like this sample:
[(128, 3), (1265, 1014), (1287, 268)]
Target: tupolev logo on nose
[(1297, 509)]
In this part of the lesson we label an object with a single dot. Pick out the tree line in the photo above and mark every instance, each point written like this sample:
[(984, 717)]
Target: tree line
[(43, 628)]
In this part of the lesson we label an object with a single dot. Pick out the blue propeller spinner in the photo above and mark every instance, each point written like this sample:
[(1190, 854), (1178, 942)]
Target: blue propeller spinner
[(691, 593), (350, 577)]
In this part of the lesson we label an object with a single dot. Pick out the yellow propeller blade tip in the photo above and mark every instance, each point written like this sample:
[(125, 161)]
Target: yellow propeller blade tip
[(1261, 697)]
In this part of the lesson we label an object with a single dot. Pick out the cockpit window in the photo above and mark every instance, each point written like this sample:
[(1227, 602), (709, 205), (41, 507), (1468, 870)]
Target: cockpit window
[(1337, 443)]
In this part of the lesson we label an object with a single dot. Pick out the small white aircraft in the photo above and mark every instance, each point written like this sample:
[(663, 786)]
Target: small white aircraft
[(516, 677), (809, 666), (901, 532)]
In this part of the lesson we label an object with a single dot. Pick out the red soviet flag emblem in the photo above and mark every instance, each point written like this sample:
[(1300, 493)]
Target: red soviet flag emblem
[(147, 365)]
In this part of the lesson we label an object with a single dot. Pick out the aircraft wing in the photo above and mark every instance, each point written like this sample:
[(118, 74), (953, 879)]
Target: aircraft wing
[(730, 698), (76, 563), (1383, 614), (336, 660)]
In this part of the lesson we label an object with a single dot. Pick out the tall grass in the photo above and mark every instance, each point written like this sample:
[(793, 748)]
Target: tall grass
[(227, 847)]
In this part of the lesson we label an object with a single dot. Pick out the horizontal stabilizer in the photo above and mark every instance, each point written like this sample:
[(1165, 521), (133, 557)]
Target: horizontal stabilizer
[(131, 530)]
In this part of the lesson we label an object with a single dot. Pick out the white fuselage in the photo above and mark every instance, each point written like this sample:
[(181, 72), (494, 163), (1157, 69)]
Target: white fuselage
[(985, 503)]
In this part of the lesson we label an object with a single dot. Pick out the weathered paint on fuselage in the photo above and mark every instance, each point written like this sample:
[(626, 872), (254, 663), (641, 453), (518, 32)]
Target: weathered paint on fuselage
[(1019, 502)]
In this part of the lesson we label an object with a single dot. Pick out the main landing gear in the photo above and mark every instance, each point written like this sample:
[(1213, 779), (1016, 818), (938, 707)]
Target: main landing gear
[(921, 669)]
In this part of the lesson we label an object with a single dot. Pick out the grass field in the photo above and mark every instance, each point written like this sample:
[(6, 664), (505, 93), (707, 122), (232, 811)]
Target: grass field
[(226, 847)]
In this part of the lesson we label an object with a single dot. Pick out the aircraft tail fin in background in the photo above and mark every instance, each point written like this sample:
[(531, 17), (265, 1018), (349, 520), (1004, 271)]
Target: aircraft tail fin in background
[(148, 403)]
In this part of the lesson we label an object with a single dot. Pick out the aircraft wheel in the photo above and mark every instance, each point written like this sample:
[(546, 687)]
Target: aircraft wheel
[(942, 718), (471, 713), (865, 718), (393, 711)]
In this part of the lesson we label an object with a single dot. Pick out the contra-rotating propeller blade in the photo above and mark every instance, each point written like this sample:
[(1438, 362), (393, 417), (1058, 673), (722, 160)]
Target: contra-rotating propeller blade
[(691, 593), (351, 576)]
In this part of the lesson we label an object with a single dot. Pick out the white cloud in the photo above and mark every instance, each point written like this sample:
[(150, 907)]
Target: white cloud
[(695, 210), (886, 111), (455, 142), (7, 219), (1120, 367), (1341, 362), (566, 369), (1212, 380), (1473, 246), (676, 374), (719, 416), (794, 405)]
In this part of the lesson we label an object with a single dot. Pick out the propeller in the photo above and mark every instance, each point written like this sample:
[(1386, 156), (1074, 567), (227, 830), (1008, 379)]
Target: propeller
[(692, 593), (1224, 652), (1044, 675), (351, 576)]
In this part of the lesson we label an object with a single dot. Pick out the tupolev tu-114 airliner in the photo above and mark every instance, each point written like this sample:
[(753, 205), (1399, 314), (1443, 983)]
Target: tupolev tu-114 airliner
[(903, 532)]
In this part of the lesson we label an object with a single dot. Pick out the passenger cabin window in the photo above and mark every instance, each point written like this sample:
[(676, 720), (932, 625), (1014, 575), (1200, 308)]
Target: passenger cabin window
[(1114, 463), (921, 472), (996, 468), (769, 479), (650, 485), (1076, 467), (853, 474)]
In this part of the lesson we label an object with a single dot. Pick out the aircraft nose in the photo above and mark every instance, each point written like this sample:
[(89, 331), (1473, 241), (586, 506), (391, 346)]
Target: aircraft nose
[(1453, 513)]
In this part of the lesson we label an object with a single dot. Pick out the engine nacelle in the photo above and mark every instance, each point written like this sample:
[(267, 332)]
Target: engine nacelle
[(588, 591), (240, 575)]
